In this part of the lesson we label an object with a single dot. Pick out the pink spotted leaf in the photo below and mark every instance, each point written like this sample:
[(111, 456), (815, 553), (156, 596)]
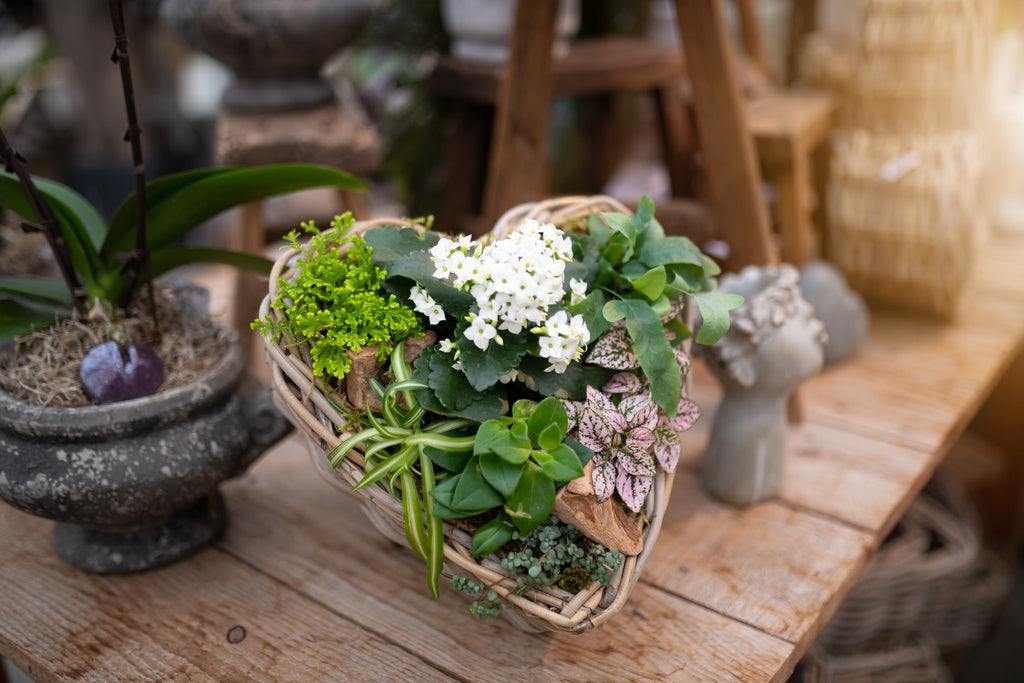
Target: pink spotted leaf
[(632, 489), (667, 447), (623, 383), (614, 350), (687, 414), (603, 477), (639, 464)]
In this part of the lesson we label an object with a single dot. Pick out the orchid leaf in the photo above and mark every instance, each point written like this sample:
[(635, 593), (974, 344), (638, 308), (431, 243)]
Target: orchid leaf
[(52, 291), (165, 260), (17, 318)]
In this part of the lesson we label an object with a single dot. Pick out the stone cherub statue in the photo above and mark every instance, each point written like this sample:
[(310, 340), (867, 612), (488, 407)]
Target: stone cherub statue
[(773, 345)]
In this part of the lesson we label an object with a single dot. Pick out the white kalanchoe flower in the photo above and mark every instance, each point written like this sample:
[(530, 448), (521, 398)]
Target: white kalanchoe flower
[(514, 282), (480, 332), (425, 304), (578, 291), (447, 346)]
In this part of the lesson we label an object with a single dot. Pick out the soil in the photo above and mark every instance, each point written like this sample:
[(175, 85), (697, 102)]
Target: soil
[(42, 367)]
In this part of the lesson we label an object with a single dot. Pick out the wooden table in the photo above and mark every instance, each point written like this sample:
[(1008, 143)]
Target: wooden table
[(301, 588)]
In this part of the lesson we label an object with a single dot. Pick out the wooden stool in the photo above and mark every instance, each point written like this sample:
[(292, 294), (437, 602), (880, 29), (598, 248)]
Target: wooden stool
[(788, 128), (323, 135), (520, 92), (592, 67)]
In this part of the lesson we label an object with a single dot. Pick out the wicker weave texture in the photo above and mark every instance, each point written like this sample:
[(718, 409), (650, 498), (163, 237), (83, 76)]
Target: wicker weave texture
[(311, 407)]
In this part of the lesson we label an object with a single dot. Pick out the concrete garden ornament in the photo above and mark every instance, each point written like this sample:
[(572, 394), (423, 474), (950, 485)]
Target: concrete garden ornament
[(774, 344)]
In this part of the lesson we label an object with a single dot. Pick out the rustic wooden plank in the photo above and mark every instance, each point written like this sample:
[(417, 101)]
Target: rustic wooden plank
[(297, 528), (517, 170), (774, 567), (838, 473), (917, 383), (726, 146), (59, 624)]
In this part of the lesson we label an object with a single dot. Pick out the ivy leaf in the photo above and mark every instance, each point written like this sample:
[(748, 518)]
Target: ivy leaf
[(483, 367), (652, 348), (531, 502), (500, 473), (651, 284), (491, 536), (570, 385), (671, 250), (391, 243), (687, 279), (473, 492), (644, 214), (714, 313), (564, 464)]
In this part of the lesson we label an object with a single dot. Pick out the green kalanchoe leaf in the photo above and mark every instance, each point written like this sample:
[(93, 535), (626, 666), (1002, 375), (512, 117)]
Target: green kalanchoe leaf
[(483, 367)]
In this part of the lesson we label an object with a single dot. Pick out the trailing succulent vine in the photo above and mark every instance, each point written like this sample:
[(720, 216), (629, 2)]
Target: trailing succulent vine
[(553, 554)]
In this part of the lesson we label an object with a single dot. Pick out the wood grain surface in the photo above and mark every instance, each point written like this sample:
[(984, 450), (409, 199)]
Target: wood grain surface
[(728, 594)]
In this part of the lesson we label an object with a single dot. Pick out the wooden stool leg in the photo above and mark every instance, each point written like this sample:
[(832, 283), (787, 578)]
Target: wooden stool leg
[(354, 201), (519, 148), (466, 164), (792, 188), (677, 138), (249, 288), (726, 145)]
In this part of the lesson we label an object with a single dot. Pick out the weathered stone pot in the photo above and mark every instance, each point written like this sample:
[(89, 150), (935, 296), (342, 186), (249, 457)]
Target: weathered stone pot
[(275, 48), (133, 485)]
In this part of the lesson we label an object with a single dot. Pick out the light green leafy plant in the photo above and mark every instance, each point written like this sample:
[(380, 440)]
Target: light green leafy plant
[(335, 304)]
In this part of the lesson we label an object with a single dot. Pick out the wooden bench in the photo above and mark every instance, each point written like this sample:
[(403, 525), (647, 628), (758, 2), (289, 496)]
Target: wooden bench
[(302, 588)]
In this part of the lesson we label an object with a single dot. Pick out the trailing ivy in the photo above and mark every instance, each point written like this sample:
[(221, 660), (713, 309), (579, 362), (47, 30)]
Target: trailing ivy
[(553, 554), (335, 304)]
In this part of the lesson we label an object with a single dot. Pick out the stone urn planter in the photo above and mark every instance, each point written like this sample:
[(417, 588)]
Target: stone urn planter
[(276, 48), (480, 29), (774, 344), (133, 485)]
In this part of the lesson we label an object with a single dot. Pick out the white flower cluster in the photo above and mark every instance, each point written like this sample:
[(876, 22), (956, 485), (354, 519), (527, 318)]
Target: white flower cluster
[(514, 282)]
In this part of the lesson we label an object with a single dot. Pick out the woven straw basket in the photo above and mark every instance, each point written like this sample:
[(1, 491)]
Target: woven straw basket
[(929, 580), (308, 405), (904, 216)]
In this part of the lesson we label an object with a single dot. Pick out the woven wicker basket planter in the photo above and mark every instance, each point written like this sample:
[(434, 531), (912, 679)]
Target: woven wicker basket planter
[(918, 661), (312, 410)]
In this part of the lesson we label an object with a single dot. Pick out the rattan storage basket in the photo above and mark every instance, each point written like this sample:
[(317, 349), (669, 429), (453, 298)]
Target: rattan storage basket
[(311, 408), (904, 216), (944, 588)]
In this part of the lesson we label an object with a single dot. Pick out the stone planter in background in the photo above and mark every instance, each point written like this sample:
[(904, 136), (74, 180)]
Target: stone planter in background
[(480, 29), (133, 485)]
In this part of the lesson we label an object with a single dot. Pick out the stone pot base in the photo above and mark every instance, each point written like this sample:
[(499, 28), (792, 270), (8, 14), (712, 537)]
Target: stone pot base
[(103, 550)]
